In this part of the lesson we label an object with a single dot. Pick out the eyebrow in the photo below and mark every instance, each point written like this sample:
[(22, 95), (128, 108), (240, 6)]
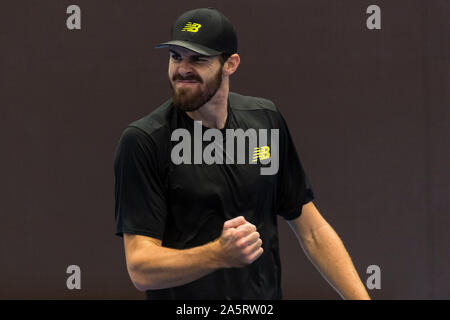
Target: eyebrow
[(193, 56)]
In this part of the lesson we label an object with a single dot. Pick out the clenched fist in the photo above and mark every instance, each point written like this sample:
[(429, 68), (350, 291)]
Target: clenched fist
[(239, 243)]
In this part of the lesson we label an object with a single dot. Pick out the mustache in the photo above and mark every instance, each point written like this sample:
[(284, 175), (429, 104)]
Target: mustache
[(193, 77)]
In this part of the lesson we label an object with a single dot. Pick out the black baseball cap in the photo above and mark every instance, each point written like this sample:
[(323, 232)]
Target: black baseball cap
[(205, 31)]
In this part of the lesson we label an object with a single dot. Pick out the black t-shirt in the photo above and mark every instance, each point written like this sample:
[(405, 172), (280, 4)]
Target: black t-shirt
[(185, 205)]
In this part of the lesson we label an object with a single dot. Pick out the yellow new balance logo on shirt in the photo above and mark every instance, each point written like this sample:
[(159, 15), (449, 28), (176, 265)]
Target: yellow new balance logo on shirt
[(191, 27), (261, 153)]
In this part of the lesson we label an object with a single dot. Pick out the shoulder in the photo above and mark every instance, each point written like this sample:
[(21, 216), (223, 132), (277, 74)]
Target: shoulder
[(259, 112), (148, 132), (155, 120), (243, 102)]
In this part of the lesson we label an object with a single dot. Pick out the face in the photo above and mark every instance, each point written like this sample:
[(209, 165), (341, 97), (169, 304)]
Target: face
[(194, 78)]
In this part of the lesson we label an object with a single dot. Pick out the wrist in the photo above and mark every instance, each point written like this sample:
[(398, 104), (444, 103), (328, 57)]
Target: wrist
[(217, 257)]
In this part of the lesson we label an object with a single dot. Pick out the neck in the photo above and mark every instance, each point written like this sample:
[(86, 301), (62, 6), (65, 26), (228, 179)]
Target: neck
[(213, 114)]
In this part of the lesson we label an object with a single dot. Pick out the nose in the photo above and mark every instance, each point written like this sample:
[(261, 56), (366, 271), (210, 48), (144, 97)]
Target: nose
[(184, 67)]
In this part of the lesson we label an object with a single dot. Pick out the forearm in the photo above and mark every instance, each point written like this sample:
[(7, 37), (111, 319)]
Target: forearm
[(159, 268), (326, 251)]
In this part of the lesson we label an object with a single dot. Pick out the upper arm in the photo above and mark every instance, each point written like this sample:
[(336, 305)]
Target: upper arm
[(140, 192), (293, 185), (309, 220)]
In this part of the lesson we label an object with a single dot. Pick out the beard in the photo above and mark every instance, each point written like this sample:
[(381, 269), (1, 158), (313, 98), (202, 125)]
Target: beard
[(192, 98)]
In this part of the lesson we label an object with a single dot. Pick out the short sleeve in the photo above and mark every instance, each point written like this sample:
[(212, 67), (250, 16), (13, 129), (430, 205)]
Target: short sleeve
[(293, 186), (140, 197)]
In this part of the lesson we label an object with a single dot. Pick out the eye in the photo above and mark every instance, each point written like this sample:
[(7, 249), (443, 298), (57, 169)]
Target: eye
[(174, 56), (199, 59)]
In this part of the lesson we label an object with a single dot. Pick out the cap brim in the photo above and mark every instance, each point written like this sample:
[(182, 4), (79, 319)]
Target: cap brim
[(191, 46)]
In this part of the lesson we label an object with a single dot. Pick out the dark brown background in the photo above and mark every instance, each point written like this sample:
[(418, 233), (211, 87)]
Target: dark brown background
[(368, 111)]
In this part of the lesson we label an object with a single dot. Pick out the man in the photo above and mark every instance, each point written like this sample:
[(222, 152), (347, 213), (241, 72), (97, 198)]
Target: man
[(199, 218)]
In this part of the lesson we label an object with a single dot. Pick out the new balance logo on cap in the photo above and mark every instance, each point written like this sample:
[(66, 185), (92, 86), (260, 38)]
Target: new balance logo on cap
[(191, 27), (205, 31)]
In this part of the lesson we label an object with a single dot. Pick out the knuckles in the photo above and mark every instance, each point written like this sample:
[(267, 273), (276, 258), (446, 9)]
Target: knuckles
[(242, 244)]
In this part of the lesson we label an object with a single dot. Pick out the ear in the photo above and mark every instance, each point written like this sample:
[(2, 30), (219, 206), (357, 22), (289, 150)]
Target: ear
[(231, 64)]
